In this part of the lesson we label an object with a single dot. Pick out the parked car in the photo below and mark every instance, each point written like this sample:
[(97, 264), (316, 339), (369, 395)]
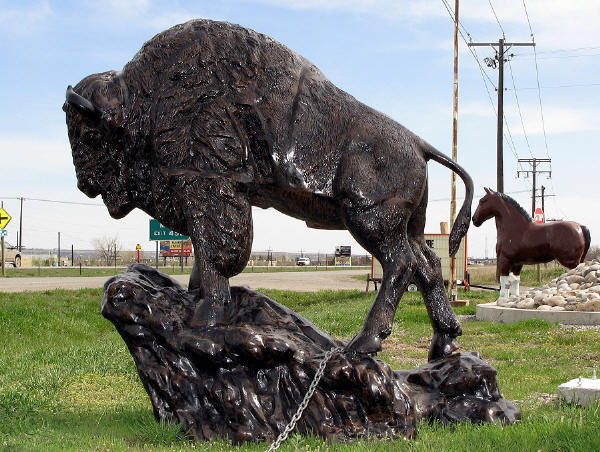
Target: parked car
[(301, 261), (12, 255)]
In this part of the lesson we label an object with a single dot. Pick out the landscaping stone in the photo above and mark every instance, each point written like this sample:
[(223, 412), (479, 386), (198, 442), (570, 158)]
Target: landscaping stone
[(576, 290)]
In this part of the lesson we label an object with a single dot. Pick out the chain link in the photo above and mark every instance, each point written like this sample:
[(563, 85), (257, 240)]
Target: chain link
[(311, 390)]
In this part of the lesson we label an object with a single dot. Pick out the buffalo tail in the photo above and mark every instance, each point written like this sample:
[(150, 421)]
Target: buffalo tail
[(463, 219)]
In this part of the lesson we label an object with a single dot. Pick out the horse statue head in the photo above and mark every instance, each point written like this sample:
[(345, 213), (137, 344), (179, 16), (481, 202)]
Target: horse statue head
[(495, 204), (487, 207)]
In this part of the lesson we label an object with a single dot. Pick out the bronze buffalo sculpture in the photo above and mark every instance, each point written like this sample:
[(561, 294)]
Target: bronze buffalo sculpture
[(210, 118)]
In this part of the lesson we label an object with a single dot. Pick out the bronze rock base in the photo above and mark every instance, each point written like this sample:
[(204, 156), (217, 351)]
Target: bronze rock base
[(243, 378)]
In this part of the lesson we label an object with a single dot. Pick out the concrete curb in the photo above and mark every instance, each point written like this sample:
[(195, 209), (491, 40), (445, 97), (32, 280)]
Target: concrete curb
[(492, 313)]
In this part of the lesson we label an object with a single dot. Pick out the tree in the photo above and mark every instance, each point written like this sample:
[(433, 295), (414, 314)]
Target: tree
[(107, 248)]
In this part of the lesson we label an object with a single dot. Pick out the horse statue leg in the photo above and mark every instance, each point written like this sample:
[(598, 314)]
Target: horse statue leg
[(514, 278), (503, 269)]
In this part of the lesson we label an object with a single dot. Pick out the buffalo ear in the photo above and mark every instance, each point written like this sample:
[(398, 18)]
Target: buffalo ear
[(81, 104)]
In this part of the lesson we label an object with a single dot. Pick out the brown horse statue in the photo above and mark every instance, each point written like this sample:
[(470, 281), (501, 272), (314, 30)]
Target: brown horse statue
[(521, 241)]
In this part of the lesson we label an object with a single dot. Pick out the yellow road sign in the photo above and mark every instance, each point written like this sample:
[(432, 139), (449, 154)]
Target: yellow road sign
[(4, 218)]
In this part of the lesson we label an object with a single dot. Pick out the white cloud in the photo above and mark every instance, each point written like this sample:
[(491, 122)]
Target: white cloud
[(21, 154), (555, 23), (144, 13), (384, 8), (127, 8), (557, 119), (23, 19), (164, 21)]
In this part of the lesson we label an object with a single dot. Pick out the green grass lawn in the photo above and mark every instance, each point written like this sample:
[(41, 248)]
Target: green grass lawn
[(68, 382)]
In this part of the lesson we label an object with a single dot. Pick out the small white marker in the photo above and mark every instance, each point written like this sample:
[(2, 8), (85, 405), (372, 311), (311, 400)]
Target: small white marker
[(594, 374), (579, 381)]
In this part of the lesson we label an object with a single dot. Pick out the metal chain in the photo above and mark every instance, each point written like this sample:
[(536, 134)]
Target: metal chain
[(311, 390)]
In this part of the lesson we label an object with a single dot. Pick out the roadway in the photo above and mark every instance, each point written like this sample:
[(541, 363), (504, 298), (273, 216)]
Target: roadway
[(297, 281)]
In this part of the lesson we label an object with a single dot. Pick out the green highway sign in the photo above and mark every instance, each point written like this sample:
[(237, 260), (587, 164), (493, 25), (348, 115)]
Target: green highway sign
[(160, 232)]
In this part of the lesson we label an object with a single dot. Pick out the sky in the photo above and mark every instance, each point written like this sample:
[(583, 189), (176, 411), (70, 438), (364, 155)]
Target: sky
[(395, 56)]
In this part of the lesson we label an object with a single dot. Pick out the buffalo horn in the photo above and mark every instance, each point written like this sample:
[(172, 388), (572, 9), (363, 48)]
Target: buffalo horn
[(81, 104)]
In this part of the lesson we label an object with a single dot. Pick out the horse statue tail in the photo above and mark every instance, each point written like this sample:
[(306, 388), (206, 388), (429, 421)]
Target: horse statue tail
[(463, 219), (588, 239)]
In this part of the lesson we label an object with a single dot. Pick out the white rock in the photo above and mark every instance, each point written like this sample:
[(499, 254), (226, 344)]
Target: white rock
[(574, 286), (592, 306), (595, 289), (544, 307), (592, 295), (557, 308), (502, 301), (575, 279), (556, 300), (527, 303)]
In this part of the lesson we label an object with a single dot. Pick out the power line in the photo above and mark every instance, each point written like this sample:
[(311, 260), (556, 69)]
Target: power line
[(537, 76), (573, 85), (559, 57), (496, 16), (519, 108), (574, 49), (478, 196), (484, 75), (54, 201)]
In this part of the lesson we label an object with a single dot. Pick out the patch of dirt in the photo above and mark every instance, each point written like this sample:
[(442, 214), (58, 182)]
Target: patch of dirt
[(397, 350)]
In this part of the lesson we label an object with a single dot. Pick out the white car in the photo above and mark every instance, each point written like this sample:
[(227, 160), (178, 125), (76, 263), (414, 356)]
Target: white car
[(301, 261), (13, 255)]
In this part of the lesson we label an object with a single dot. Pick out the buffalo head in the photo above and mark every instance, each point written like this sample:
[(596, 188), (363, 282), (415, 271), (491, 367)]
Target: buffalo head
[(102, 151)]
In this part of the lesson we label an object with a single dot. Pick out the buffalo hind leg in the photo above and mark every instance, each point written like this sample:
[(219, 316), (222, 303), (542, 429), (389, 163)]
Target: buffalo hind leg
[(428, 277), (392, 249)]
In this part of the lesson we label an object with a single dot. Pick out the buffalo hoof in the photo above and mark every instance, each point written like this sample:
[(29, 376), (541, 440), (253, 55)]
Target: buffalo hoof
[(442, 345), (365, 343)]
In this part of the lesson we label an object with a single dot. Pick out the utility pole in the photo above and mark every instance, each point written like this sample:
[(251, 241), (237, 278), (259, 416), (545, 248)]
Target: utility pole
[(498, 62), (544, 196), (534, 162), (58, 250), (534, 171), (452, 285), (21, 227)]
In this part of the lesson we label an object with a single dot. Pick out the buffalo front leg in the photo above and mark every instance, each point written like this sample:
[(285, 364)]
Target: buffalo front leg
[(220, 226), (428, 277)]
